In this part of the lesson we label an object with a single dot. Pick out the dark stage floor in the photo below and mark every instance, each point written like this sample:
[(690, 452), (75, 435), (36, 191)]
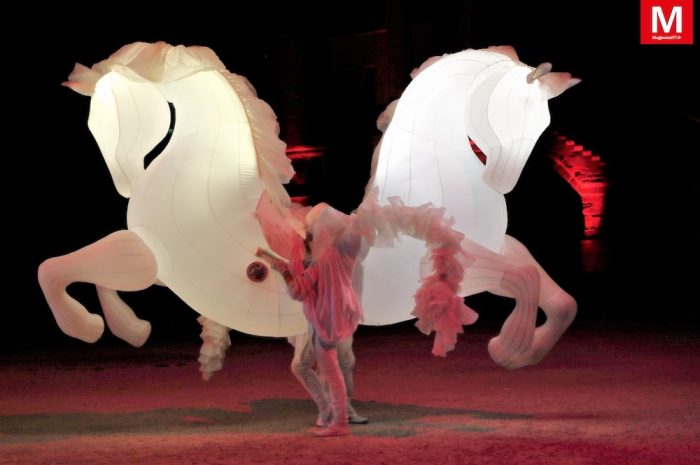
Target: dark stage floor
[(603, 396)]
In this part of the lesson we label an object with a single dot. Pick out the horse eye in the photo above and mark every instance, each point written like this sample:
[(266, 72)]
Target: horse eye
[(477, 151), (158, 149)]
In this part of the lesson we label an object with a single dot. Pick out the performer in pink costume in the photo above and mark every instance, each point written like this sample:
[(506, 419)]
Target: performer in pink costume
[(331, 304), (303, 369)]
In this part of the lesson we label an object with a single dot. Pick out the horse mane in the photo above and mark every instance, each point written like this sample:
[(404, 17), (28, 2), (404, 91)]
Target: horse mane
[(161, 62), (274, 167)]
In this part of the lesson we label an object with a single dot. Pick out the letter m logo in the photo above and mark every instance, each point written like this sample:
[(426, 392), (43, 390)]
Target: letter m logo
[(657, 16), (666, 22)]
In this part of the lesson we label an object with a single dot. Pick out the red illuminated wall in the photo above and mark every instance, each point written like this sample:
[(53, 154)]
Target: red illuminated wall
[(585, 172), (302, 156)]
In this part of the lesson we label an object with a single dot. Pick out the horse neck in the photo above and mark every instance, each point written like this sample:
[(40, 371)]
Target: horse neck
[(211, 134)]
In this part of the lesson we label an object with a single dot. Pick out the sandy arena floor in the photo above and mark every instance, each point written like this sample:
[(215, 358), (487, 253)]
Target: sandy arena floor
[(601, 397)]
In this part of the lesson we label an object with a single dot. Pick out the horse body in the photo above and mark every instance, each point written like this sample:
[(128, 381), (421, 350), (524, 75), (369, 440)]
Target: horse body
[(191, 215), (191, 212), (424, 156)]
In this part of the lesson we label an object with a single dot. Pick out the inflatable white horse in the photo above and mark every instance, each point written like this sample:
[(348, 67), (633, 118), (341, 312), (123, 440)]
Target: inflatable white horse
[(191, 214), (499, 103)]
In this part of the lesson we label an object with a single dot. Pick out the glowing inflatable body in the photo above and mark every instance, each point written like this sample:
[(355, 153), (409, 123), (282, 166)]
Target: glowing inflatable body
[(191, 215), (487, 96), (195, 212)]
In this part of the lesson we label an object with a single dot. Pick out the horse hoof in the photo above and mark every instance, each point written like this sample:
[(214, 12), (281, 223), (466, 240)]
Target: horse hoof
[(140, 334), (498, 351), (89, 329), (512, 360), (504, 357)]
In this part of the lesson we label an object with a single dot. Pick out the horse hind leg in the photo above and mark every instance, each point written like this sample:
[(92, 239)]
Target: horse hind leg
[(118, 261), (495, 273), (558, 306), (515, 341)]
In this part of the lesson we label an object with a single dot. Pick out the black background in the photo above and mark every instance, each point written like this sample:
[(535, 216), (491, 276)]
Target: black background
[(637, 107)]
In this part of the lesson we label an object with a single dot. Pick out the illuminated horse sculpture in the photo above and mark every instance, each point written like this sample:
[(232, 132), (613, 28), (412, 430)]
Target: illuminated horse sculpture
[(492, 98), (191, 214), (192, 222)]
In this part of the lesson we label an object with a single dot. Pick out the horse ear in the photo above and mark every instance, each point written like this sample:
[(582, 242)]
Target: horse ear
[(556, 83), (506, 50), (82, 80), (541, 70)]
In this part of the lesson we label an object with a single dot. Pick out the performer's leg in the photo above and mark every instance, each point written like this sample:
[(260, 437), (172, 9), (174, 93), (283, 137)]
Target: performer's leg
[(327, 359), (346, 360), (302, 368)]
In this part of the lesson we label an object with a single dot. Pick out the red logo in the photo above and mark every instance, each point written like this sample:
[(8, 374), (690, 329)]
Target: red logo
[(666, 22)]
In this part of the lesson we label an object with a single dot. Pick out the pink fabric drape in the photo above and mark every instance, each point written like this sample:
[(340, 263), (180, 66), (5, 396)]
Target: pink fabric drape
[(325, 287)]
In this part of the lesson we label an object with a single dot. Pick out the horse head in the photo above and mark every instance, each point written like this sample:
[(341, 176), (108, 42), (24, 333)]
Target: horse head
[(129, 115), (507, 112)]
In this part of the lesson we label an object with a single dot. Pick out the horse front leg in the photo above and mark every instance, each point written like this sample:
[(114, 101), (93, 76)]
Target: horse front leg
[(559, 307), (495, 273), (120, 261)]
